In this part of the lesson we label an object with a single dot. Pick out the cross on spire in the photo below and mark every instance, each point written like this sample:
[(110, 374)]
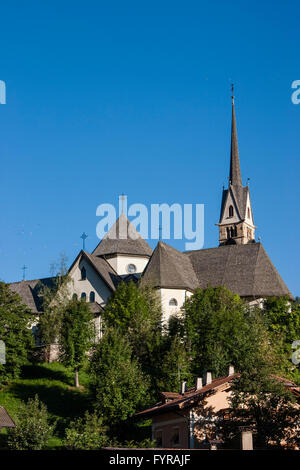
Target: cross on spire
[(24, 269), (83, 237)]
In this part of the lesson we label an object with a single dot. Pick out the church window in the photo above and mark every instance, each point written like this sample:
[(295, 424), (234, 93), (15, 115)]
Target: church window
[(131, 268), (92, 296), (230, 211), (75, 297), (83, 274), (83, 296), (228, 232), (248, 213), (173, 303)]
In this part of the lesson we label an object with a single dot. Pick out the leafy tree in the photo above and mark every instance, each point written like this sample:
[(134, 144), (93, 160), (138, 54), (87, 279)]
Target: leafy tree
[(117, 383), (86, 434), (283, 321), (259, 400), (220, 329), (76, 335), (54, 301), (15, 322), (32, 430), (174, 365), (136, 311)]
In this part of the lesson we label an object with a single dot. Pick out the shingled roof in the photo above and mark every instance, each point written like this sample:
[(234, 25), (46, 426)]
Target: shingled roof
[(123, 238), (239, 195), (189, 398), (169, 268), (30, 291), (102, 267), (244, 269), (5, 420)]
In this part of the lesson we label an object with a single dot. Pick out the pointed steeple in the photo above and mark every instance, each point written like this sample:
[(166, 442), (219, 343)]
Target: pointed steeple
[(235, 178), (236, 225)]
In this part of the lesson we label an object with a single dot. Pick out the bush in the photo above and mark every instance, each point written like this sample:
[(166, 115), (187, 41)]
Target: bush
[(32, 430), (86, 434)]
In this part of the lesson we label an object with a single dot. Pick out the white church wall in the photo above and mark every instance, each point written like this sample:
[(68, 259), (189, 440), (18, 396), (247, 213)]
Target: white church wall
[(120, 263), (180, 295), (92, 283)]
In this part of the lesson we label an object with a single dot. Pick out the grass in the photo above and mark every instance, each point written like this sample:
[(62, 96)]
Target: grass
[(53, 383)]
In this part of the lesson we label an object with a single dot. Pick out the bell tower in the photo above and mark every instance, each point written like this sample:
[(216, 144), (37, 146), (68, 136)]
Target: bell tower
[(236, 225)]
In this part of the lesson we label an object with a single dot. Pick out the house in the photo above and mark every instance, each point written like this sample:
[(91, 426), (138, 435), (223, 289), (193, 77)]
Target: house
[(5, 420), (185, 420), (239, 262)]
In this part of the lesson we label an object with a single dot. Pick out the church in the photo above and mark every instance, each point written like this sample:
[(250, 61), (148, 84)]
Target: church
[(239, 262)]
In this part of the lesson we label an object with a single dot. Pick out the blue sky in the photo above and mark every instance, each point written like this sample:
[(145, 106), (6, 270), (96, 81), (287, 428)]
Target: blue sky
[(134, 97)]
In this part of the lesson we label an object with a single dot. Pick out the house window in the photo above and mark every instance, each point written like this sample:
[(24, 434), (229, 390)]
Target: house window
[(230, 211), (173, 303), (83, 296), (131, 268), (175, 437), (92, 296), (158, 438), (83, 274)]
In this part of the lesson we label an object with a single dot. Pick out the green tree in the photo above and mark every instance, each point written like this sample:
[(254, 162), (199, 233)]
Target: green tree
[(54, 302), (220, 329), (136, 311), (76, 335), (174, 365), (118, 385), (259, 400), (86, 433), (283, 321), (33, 429), (15, 322)]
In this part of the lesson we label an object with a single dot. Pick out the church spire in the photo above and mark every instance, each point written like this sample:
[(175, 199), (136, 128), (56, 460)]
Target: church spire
[(236, 225), (235, 171)]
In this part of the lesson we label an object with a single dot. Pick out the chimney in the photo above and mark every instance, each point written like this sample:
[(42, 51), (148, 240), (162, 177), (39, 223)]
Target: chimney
[(198, 383), (183, 388), (207, 378), (231, 370)]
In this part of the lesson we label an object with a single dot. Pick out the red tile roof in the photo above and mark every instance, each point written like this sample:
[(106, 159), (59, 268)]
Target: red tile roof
[(187, 399)]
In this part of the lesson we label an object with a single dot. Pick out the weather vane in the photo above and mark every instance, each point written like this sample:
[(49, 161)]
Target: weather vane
[(84, 237), (24, 269)]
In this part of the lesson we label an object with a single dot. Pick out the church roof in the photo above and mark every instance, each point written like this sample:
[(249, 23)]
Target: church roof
[(104, 269), (244, 269), (169, 268), (30, 291), (240, 194), (123, 238)]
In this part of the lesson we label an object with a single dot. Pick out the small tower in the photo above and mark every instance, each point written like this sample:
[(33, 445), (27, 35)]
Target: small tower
[(236, 225)]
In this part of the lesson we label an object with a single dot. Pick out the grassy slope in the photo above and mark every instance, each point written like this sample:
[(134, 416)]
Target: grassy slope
[(53, 383)]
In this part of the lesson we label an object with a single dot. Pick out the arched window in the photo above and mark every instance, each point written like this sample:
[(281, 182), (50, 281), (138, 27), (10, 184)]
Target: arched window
[(248, 213), (230, 211), (75, 297), (228, 232), (173, 303), (131, 268), (83, 274), (92, 296), (83, 296)]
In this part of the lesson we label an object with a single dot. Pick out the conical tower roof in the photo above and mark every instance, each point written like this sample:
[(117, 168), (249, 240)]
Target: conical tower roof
[(123, 238)]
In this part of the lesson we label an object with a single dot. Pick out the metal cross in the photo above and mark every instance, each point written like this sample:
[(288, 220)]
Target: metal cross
[(84, 237), (232, 90), (24, 269)]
